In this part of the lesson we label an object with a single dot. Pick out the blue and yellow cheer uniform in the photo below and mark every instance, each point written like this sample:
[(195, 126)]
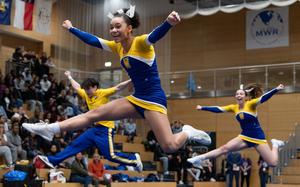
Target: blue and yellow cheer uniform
[(100, 136), (252, 132), (140, 64)]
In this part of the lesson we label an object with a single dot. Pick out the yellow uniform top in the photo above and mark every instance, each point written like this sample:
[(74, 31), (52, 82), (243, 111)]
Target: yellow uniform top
[(99, 98)]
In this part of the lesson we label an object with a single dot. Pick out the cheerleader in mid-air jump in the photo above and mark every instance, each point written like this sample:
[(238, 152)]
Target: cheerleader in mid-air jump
[(252, 134)]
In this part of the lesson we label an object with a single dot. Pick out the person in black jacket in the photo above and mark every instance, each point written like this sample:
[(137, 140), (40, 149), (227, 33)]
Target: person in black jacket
[(234, 160), (79, 171), (263, 172)]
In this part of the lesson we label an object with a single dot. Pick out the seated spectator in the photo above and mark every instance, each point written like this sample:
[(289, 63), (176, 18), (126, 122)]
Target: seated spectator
[(27, 75), (223, 175), (45, 86), (79, 172), (59, 141), (6, 123), (53, 150), (186, 153), (73, 100), (51, 116), (9, 78), (53, 90), (36, 117), (44, 69), (15, 143), (67, 137), (4, 149), (35, 65), (208, 171), (97, 169), (17, 56), (31, 144), (163, 158), (130, 130), (31, 97), (6, 102), (119, 124), (19, 115), (151, 142), (176, 127), (2, 87), (16, 102), (194, 172), (33, 61), (62, 85), (159, 155), (19, 85), (175, 164)]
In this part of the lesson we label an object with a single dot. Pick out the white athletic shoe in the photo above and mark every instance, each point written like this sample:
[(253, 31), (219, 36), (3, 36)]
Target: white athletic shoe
[(43, 159), (197, 135), (139, 164), (277, 143), (196, 161), (39, 129)]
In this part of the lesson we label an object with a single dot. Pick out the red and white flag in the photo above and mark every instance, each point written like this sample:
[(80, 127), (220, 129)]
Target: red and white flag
[(23, 14)]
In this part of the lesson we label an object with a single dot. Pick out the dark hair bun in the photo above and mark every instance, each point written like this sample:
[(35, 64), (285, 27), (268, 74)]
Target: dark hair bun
[(134, 21), (255, 90)]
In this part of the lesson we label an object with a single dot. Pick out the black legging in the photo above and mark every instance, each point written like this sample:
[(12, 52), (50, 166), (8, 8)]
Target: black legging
[(263, 176), (235, 174), (247, 179)]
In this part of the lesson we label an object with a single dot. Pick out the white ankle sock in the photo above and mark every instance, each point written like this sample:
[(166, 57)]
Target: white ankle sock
[(54, 127)]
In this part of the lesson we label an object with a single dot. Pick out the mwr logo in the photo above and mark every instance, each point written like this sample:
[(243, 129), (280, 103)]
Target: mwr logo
[(267, 27)]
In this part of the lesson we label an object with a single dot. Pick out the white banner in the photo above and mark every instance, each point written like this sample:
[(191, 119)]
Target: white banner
[(43, 16), (267, 28)]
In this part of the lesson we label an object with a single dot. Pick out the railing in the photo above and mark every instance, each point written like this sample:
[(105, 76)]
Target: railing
[(225, 81), (206, 83), (288, 152)]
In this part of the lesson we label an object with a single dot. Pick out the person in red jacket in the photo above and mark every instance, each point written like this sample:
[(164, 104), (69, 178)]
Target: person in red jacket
[(97, 169)]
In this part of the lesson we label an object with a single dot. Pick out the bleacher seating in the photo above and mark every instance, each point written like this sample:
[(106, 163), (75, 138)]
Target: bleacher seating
[(282, 185), (291, 174), (209, 184), (43, 173), (122, 139), (145, 184), (63, 185)]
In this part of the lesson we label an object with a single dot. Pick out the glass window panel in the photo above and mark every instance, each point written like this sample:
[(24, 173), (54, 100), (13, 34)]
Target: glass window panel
[(280, 74), (253, 75), (227, 80)]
